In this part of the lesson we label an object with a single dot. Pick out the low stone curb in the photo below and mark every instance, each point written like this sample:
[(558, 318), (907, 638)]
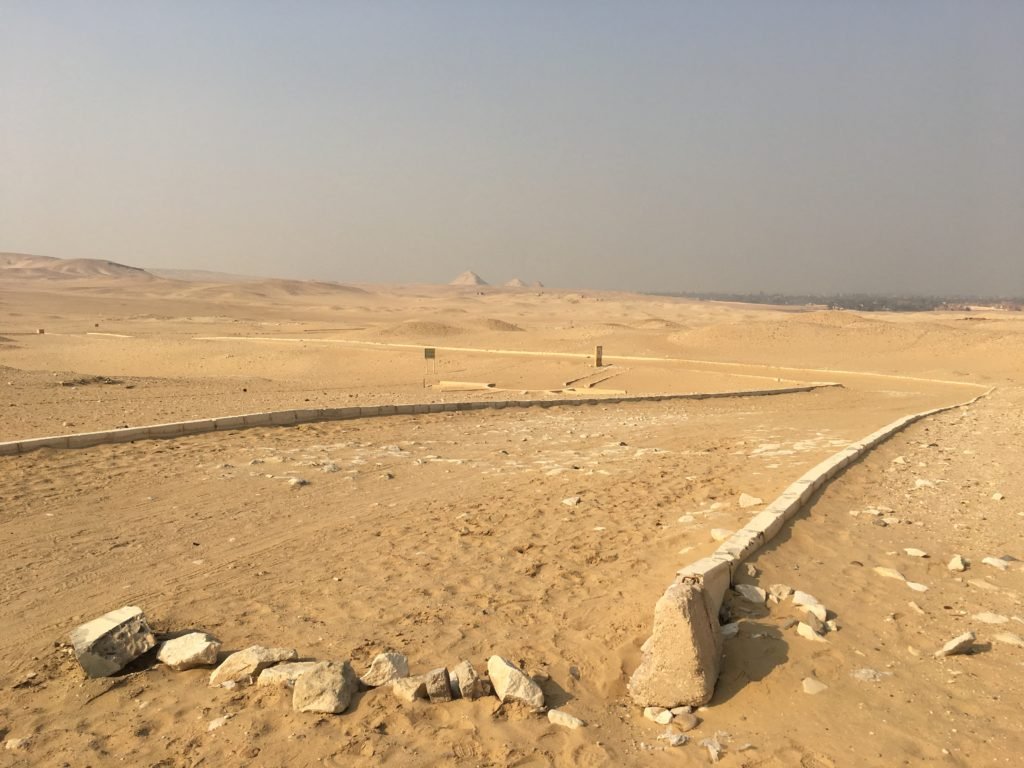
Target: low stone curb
[(311, 415), (714, 574)]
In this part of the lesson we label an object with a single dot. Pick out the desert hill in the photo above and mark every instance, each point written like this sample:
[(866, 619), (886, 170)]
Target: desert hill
[(30, 266)]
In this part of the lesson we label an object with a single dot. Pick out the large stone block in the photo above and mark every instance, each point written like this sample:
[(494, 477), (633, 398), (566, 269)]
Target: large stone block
[(242, 666), (196, 649), (681, 660), (512, 684), (106, 645), (327, 687)]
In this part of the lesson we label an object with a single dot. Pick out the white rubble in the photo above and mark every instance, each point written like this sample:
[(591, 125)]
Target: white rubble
[(409, 688), (813, 686), (957, 563), (959, 644), (242, 666), (747, 501), (511, 683), (385, 668), (564, 719), (326, 688), (107, 644), (470, 685), (283, 675), (196, 649), (751, 593)]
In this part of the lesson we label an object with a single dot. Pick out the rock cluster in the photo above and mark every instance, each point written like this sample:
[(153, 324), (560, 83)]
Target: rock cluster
[(106, 645)]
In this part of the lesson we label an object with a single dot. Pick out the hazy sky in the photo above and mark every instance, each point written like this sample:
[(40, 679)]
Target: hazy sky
[(765, 145)]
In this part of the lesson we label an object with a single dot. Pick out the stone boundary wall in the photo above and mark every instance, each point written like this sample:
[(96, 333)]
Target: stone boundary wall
[(310, 415), (713, 575)]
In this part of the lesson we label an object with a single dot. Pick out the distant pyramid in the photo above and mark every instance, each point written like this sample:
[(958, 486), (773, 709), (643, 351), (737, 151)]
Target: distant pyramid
[(468, 278), (536, 284), (515, 282)]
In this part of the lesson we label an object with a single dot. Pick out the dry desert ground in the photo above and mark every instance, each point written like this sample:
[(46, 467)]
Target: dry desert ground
[(447, 536)]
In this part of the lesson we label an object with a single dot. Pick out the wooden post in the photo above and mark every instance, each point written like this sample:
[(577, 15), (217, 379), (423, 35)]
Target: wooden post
[(598, 352)]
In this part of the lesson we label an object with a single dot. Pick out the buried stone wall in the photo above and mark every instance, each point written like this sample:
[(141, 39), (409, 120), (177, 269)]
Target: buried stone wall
[(311, 415), (681, 660)]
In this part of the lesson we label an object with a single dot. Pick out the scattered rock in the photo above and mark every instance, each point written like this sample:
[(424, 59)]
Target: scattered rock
[(385, 668), (330, 467), (817, 610), (283, 675), (327, 688), (750, 593), (684, 710), (106, 645), (996, 562), (409, 688), (806, 631), (815, 623), (714, 748), (889, 573), (511, 683), (990, 618), (17, 744), (781, 591), (803, 598), (196, 649), (242, 666), (957, 564), (720, 534), (658, 715), (747, 501), (917, 587), (899, 460), (867, 675), (439, 686), (921, 483), (297, 482), (912, 552), (674, 739), (959, 644), (1009, 638), (470, 685), (218, 722), (813, 686), (751, 570), (730, 630), (564, 719), (685, 721), (572, 501), (997, 496)]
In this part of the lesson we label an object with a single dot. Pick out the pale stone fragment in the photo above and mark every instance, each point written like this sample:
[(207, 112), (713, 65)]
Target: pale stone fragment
[(512, 684), (564, 719), (959, 644), (384, 668), (889, 573), (283, 675), (196, 649), (439, 685), (813, 686), (470, 685), (806, 631), (751, 593), (107, 644), (409, 688), (242, 666), (326, 688)]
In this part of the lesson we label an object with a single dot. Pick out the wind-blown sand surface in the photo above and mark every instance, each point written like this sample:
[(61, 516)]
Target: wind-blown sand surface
[(446, 536)]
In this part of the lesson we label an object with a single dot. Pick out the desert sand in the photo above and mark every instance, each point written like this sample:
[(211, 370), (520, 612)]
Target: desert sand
[(445, 536)]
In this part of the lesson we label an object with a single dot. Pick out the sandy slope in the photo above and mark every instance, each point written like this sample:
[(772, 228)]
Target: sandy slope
[(446, 537)]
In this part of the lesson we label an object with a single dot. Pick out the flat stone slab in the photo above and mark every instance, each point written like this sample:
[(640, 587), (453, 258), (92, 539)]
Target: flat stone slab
[(106, 645), (385, 668)]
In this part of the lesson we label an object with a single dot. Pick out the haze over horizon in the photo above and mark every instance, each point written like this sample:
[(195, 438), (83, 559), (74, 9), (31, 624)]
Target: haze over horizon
[(795, 147)]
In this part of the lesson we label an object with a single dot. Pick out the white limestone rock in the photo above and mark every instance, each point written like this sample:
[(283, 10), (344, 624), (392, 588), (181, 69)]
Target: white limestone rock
[(681, 660), (807, 631), (409, 688), (720, 534), (512, 684), (959, 644), (242, 666), (107, 644), (751, 593), (813, 686), (889, 573), (326, 688), (385, 668), (564, 719), (996, 562), (1009, 638), (471, 686), (747, 501), (196, 649), (957, 564), (283, 675), (439, 685)]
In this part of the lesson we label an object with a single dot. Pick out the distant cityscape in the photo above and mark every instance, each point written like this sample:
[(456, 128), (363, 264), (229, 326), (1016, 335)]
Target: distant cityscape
[(859, 301)]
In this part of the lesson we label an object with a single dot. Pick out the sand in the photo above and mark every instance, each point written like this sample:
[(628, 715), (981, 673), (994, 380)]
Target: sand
[(446, 536)]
